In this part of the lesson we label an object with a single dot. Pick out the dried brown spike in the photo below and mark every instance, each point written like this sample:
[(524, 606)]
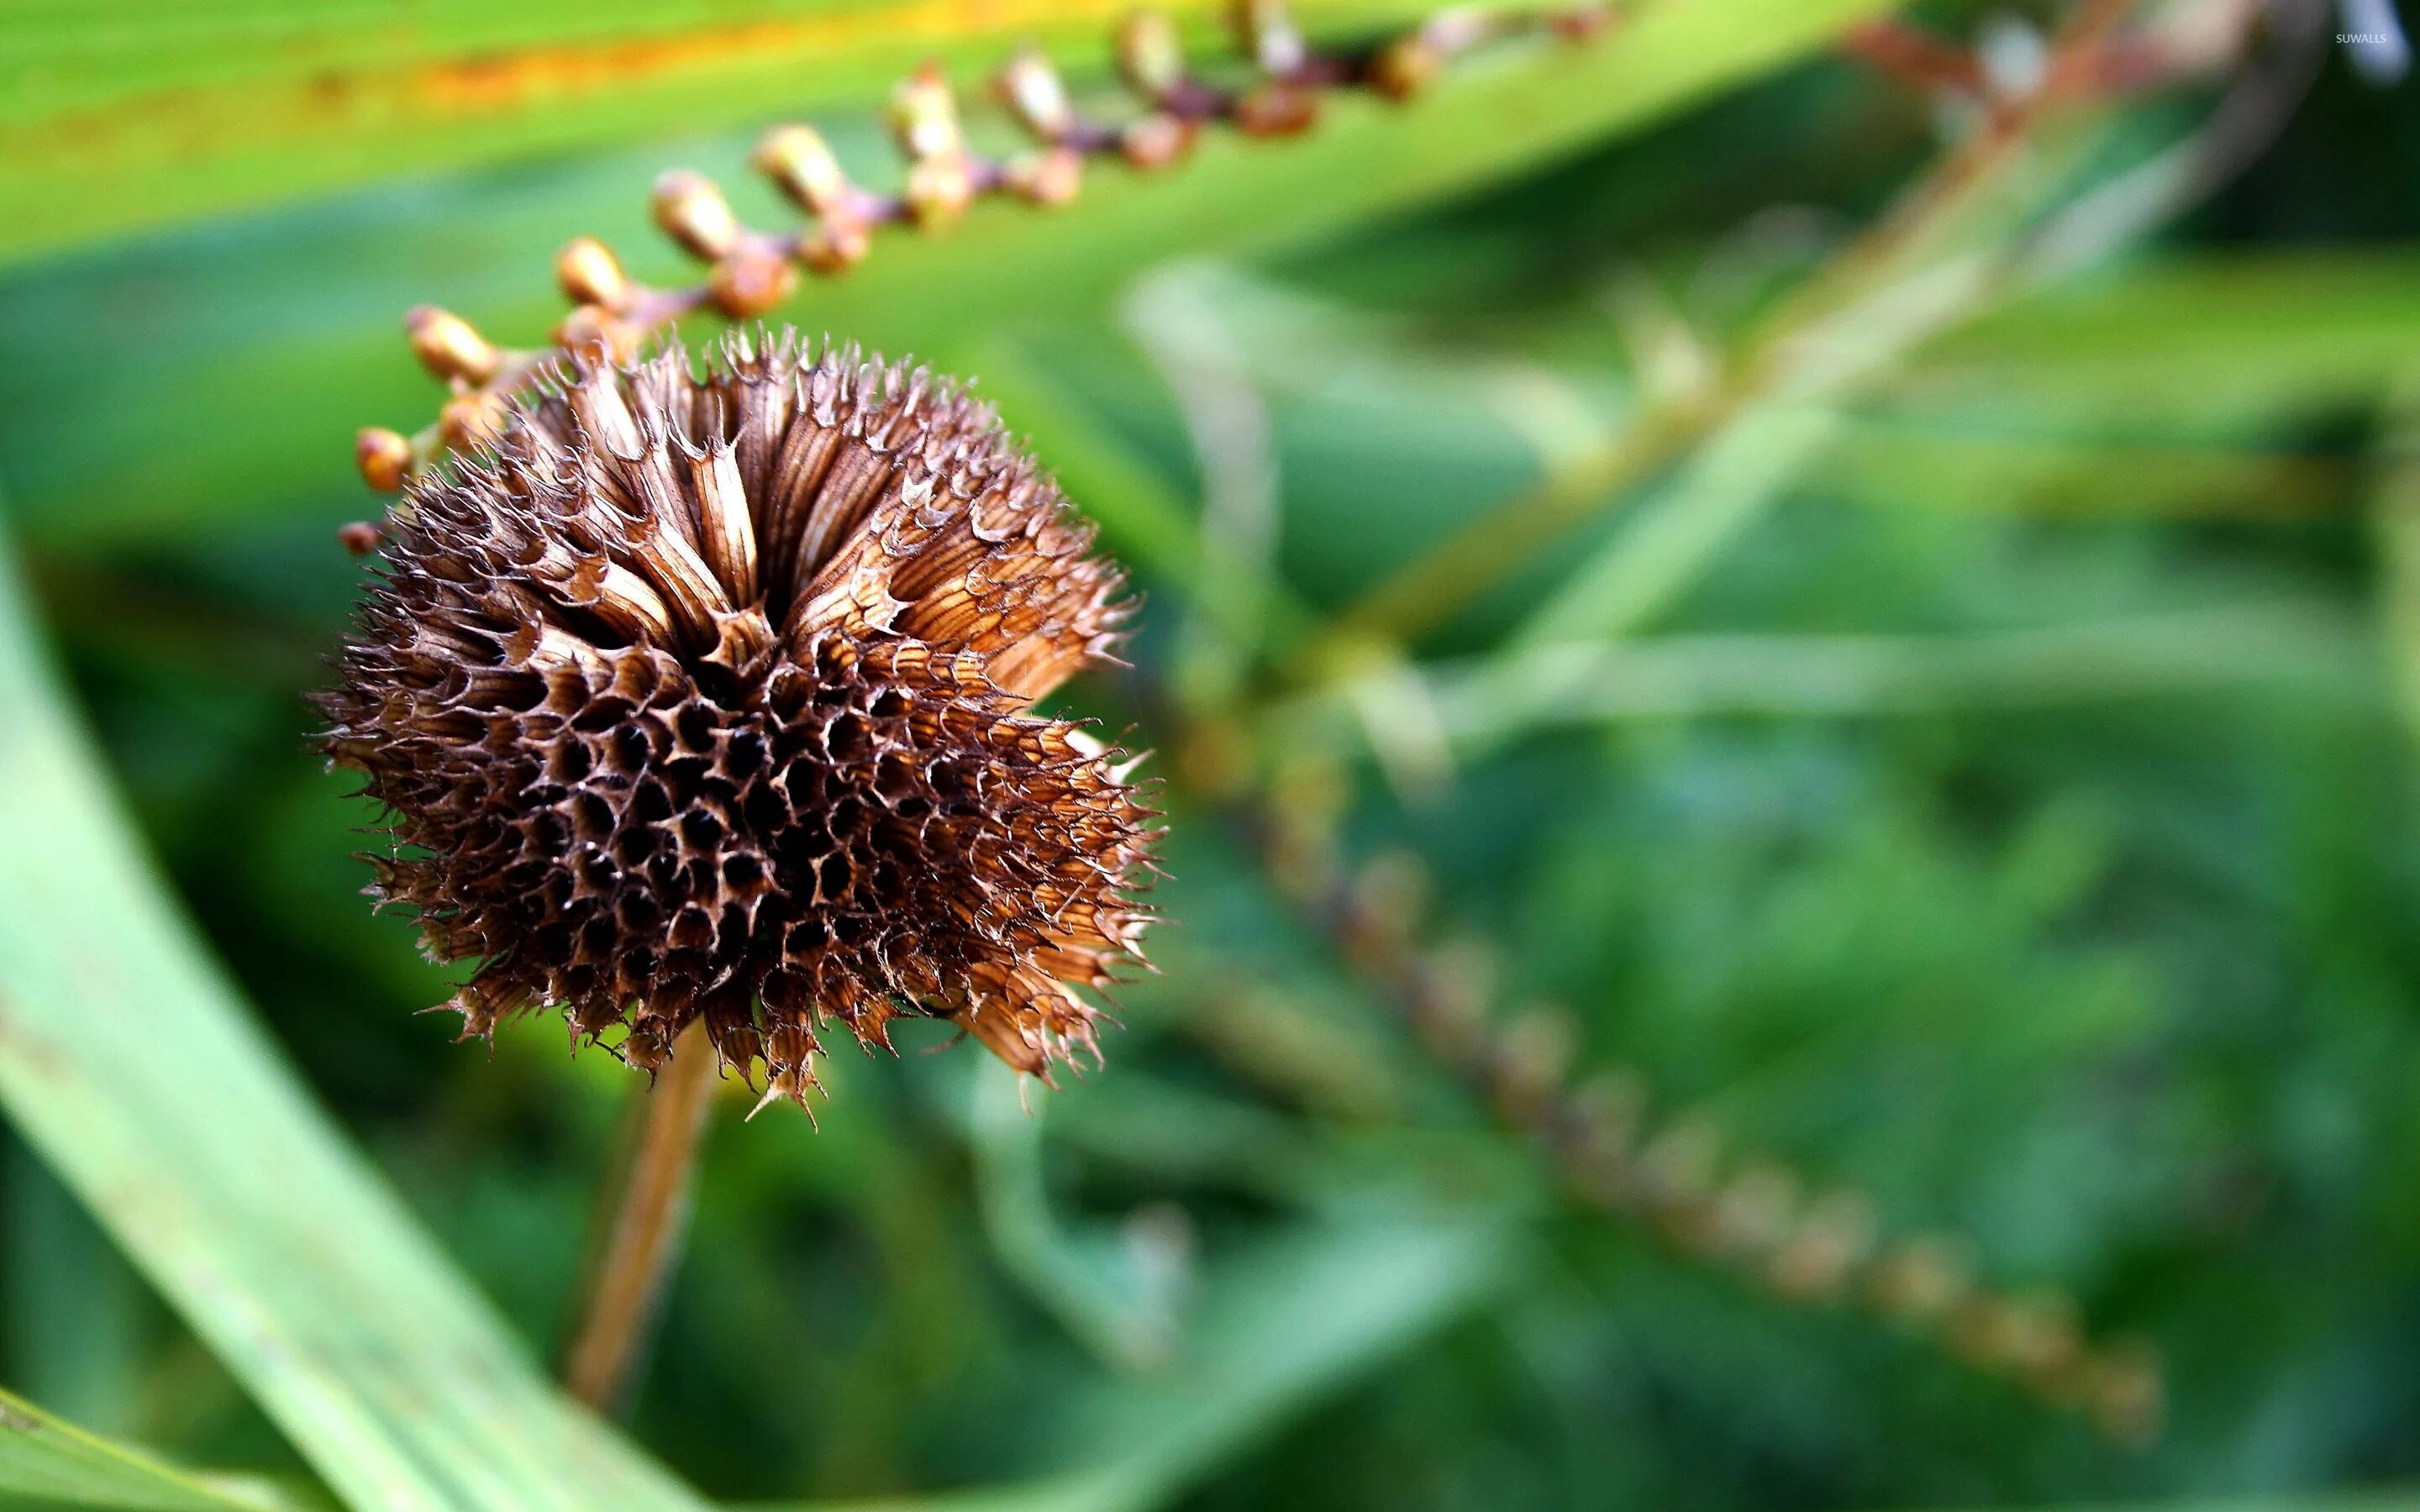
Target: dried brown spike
[(708, 695)]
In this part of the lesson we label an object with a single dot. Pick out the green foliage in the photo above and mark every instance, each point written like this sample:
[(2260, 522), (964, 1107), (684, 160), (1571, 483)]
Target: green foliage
[(1968, 770), (43, 1459)]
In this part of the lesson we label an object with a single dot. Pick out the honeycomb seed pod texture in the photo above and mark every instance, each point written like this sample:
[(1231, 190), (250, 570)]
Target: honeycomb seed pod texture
[(707, 693)]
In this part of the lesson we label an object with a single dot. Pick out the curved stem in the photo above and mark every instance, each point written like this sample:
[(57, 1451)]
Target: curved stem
[(648, 1205)]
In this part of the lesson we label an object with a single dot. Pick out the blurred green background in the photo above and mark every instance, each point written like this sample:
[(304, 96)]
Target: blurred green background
[(1966, 763)]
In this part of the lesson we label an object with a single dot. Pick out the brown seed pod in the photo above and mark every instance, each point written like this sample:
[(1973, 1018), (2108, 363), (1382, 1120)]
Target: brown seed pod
[(710, 695)]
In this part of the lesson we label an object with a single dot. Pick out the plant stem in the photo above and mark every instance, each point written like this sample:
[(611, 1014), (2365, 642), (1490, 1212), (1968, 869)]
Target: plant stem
[(648, 1203)]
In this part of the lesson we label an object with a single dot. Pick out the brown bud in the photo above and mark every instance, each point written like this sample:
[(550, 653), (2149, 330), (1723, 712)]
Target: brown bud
[(2033, 1338), (591, 274), (1264, 29), (1390, 893), (1150, 57), (693, 213), (1922, 1282), (938, 191), (1608, 1113), (1682, 1162), (448, 347), (1832, 1238), (1032, 89), (1449, 1010), (1581, 22), (1051, 178), (1755, 1209), (1154, 140), (750, 282), (590, 328), (2124, 1395), (470, 421), (361, 537), (923, 115), (834, 247), (802, 165), (384, 457), (1405, 66), (1532, 1058), (1276, 110)]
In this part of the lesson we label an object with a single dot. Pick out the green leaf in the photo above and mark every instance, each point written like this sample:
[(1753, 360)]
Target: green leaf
[(131, 1065), (45, 1460), (122, 115), (2211, 336), (1274, 1331), (230, 396)]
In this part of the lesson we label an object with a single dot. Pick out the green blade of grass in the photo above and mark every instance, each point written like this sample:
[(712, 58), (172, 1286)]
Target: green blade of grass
[(117, 116), (131, 1066), (230, 396), (45, 1460)]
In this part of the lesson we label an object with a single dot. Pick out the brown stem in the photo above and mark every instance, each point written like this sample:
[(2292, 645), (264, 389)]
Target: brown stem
[(649, 1207)]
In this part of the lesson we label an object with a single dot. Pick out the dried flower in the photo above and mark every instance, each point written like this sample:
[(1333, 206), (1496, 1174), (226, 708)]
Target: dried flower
[(711, 697)]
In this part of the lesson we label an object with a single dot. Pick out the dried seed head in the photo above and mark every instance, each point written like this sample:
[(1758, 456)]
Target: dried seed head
[(711, 697)]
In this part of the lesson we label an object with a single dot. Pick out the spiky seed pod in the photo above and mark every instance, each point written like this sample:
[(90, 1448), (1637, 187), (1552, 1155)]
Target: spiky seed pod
[(710, 695)]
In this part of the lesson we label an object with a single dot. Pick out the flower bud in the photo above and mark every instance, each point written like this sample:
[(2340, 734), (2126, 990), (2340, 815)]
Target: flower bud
[(1154, 140), (593, 328), (448, 345), (384, 457), (591, 274), (1150, 57), (749, 283), (1406, 66), (1276, 110), (923, 115), (1264, 29), (1051, 177), (1032, 89), (834, 247), (802, 165), (693, 213), (469, 421)]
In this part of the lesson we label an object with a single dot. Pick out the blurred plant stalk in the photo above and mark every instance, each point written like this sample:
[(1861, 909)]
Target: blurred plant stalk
[(643, 1227), (750, 272)]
